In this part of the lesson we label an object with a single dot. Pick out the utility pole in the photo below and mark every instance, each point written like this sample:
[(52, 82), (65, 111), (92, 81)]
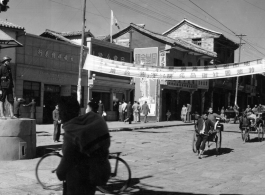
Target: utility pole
[(79, 85), (240, 40)]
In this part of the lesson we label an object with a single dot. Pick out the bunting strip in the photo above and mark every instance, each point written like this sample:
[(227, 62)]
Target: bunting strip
[(107, 66)]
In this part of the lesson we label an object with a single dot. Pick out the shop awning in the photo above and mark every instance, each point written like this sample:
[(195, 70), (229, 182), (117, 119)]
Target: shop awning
[(6, 41)]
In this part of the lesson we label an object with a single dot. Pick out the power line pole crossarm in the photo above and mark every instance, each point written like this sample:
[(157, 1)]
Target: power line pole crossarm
[(81, 56), (239, 55)]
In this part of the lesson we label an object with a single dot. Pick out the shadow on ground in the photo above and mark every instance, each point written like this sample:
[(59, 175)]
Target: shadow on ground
[(212, 152), (138, 187), (42, 150)]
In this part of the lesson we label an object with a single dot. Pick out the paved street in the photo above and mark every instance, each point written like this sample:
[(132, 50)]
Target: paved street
[(162, 162)]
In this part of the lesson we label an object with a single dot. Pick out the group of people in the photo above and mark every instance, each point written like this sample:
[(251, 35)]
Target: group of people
[(129, 112), (185, 113)]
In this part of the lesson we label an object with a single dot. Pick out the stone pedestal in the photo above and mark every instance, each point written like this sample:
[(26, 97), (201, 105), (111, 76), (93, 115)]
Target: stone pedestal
[(17, 139)]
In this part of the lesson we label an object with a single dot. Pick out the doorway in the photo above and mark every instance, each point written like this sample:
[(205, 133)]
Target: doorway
[(51, 96)]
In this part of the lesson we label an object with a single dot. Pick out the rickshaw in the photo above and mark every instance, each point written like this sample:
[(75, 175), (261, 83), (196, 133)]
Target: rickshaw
[(215, 137), (252, 126)]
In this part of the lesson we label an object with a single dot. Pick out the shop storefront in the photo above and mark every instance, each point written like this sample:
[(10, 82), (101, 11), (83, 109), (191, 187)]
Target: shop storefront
[(46, 69)]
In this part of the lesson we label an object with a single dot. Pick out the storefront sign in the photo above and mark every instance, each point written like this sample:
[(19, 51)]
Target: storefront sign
[(110, 53), (163, 58), (146, 56), (174, 73), (54, 55)]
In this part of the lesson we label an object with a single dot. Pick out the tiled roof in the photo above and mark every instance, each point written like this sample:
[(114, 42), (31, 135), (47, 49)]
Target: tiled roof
[(193, 24), (198, 27), (10, 25), (57, 36), (173, 42), (73, 33)]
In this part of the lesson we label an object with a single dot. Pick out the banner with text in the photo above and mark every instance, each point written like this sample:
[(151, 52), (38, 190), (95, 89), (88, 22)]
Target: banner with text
[(102, 65)]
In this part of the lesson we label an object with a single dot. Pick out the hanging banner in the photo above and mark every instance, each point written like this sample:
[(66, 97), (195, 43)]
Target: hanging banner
[(106, 66)]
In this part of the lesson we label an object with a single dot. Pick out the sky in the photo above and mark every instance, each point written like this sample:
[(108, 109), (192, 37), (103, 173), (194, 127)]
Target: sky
[(229, 17)]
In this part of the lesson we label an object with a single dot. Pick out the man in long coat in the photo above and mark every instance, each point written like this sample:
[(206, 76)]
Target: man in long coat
[(145, 111)]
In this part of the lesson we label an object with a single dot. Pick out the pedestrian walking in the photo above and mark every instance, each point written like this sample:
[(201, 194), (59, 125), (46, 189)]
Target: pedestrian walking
[(101, 108), (85, 163), (168, 115), (183, 113), (145, 111), (129, 111), (120, 111), (124, 111), (236, 109), (139, 112), (188, 113), (57, 124), (17, 103), (32, 106), (135, 111), (6, 88), (116, 109)]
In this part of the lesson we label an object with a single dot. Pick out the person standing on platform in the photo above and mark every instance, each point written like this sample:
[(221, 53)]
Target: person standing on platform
[(100, 108), (32, 105), (145, 110), (57, 124), (135, 111), (6, 88), (129, 113), (120, 111), (188, 113), (17, 103)]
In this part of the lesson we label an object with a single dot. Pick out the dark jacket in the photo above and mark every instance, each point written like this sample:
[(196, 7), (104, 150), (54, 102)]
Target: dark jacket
[(129, 110), (83, 136), (100, 108), (209, 125), (6, 80), (55, 115), (145, 109), (16, 106)]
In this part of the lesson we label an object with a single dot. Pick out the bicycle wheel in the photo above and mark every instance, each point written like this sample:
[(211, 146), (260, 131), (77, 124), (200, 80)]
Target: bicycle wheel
[(194, 139), (46, 172), (120, 176)]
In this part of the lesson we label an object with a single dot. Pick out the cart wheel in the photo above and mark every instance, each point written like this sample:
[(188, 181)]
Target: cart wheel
[(194, 140), (262, 133), (259, 132)]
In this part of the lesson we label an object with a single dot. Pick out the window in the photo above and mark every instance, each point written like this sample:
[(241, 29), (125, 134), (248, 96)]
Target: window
[(74, 94), (189, 63), (177, 62), (197, 41), (31, 90), (198, 62), (206, 63)]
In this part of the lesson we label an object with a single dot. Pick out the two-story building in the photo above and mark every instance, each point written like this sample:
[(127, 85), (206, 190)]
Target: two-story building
[(221, 91), (162, 50)]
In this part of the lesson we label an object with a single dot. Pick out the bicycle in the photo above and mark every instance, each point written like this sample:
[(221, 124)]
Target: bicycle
[(119, 181)]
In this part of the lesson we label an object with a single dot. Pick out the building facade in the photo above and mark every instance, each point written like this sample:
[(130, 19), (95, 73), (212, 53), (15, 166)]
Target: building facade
[(170, 95)]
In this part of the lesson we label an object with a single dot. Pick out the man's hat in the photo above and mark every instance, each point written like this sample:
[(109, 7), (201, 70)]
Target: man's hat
[(6, 58)]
